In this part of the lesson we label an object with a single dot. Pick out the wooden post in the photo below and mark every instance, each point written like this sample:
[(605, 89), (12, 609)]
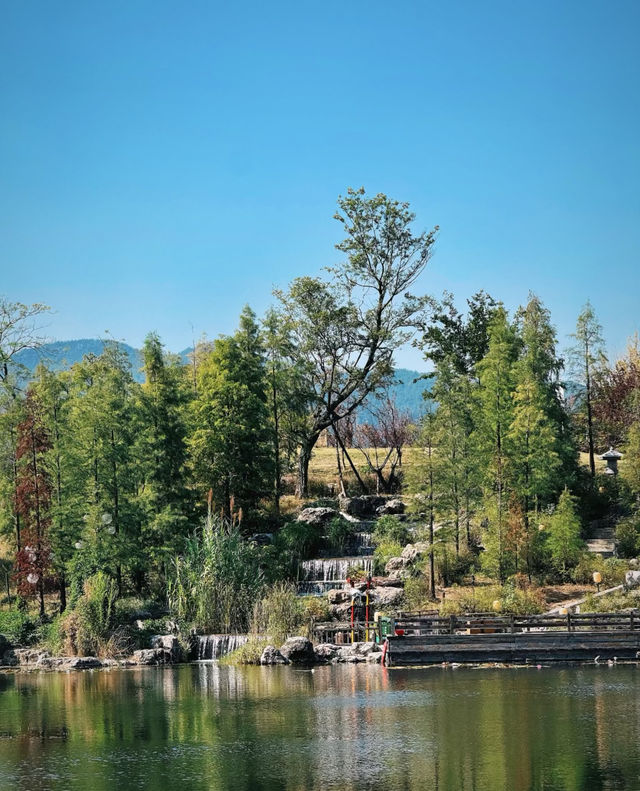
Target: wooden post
[(452, 624), (569, 628), (511, 623)]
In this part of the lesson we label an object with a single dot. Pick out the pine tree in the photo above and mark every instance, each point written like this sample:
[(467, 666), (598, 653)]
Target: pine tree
[(162, 450), (563, 541), (493, 416), (586, 354), (230, 444)]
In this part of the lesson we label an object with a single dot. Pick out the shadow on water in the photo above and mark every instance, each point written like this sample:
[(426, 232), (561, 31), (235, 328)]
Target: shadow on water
[(340, 727)]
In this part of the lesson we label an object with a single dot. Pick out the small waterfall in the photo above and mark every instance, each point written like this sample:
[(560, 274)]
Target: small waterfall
[(214, 646), (334, 569), (361, 543)]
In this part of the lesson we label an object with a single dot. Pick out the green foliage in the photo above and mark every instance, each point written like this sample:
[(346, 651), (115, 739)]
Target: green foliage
[(612, 602), (611, 569), (417, 593), (278, 613), (247, 654), (88, 629), (390, 528), (385, 550), (563, 537), (216, 581), (18, 627), (338, 533), (512, 600), (628, 537)]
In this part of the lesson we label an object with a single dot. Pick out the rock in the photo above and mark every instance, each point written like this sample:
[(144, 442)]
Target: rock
[(326, 652), (262, 539), (271, 656), (338, 596), (9, 658), (80, 662), (413, 552), (395, 506), (170, 643), (152, 656), (357, 652), (386, 582), (634, 563), (317, 517), (366, 505), (298, 650), (387, 597), (632, 579), (394, 564), (377, 657)]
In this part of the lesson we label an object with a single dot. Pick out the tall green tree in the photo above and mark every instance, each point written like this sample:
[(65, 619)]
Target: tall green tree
[(162, 449), (564, 542), (346, 331), (586, 353), (493, 417), (231, 442)]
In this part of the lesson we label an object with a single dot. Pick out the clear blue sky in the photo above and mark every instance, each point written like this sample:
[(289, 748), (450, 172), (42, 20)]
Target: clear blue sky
[(163, 163)]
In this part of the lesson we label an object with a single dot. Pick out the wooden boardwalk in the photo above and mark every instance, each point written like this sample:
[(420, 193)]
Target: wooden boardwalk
[(425, 640)]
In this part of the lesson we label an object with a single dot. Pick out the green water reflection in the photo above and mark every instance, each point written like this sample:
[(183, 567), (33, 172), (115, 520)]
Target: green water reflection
[(340, 727)]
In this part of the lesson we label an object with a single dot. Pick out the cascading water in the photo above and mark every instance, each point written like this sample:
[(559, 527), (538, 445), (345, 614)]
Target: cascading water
[(361, 543), (334, 569), (214, 646)]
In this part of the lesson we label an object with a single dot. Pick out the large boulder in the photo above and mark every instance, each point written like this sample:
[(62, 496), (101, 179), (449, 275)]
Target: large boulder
[(271, 656), (170, 643), (81, 663), (632, 579), (363, 506), (317, 517), (395, 506), (338, 596), (326, 652), (387, 597), (413, 552), (357, 652), (152, 656), (298, 650)]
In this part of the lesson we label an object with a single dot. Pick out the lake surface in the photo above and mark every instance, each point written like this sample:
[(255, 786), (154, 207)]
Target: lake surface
[(336, 727)]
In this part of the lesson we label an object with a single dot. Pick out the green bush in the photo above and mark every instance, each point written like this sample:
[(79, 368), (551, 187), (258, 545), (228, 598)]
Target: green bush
[(89, 629), (390, 528), (417, 595), (278, 614), (612, 570), (628, 538), (612, 602), (339, 531), (384, 551), (512, 601), (18, 627), (247, 654)]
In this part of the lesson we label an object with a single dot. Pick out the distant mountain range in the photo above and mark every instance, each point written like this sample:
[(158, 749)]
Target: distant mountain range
[(407, 387)]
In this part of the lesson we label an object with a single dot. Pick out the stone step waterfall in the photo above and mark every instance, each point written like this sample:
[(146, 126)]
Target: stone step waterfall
[(322, 574), (215, 646)]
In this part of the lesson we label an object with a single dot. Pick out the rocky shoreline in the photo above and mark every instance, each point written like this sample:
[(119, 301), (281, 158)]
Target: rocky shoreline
[(166, 650)]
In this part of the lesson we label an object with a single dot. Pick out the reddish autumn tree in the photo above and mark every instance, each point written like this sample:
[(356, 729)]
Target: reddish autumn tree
[(33, 502), (616, 397)]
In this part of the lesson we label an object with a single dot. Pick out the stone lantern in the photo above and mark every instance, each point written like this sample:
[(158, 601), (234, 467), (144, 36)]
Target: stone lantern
[(611, 457)]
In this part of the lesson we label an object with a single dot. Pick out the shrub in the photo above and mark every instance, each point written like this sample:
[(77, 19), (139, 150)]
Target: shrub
[(612, 570), (390, 528), (628, 538), (89, 629), (384, 551), (217, 579), (339, 531), (18, 627), (278, 614), (417, 595), (612, 602), (512, 600), (247, 654)]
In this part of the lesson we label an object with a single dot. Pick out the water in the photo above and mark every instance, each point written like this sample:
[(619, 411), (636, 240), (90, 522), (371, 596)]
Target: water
[(342, 728), (334, 569), (214, 646)]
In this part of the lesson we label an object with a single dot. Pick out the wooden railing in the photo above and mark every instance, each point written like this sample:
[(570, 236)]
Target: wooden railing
[(478, 623), (333, 632)]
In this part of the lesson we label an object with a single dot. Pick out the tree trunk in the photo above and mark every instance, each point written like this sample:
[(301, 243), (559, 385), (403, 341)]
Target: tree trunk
[(304, 457)]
